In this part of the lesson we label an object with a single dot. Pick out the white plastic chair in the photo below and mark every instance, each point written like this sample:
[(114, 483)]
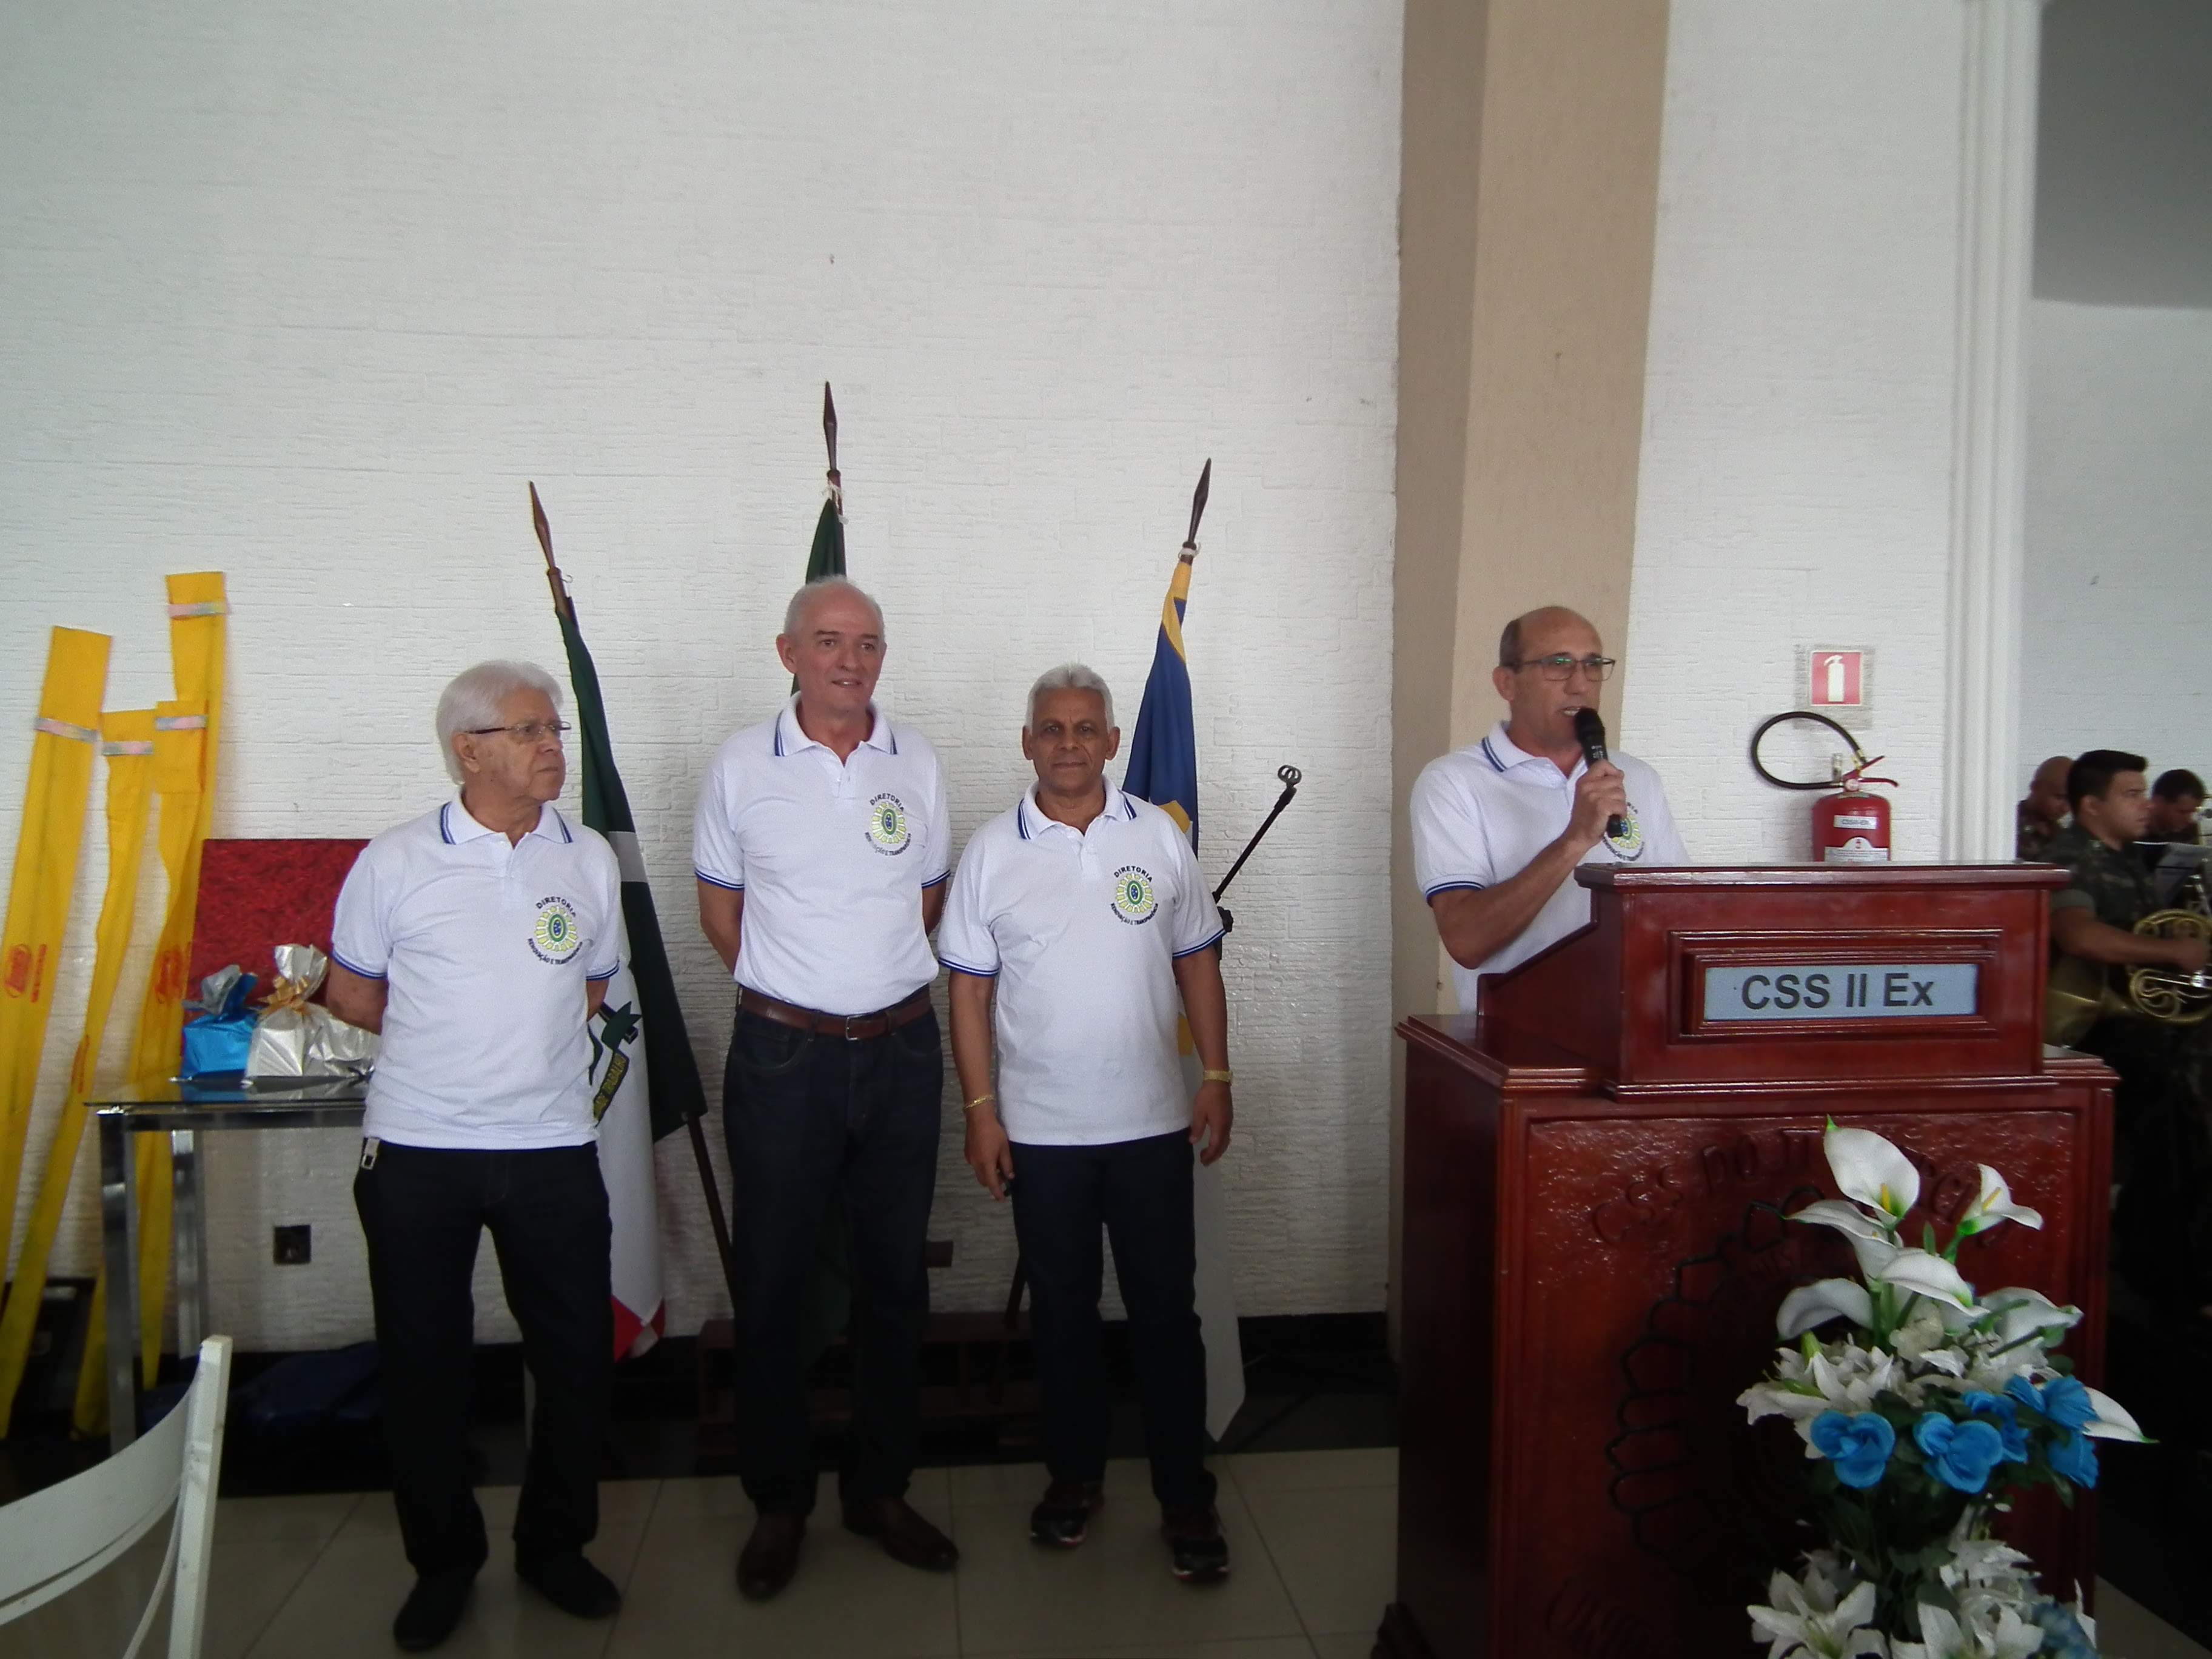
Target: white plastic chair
[(56, 1538)]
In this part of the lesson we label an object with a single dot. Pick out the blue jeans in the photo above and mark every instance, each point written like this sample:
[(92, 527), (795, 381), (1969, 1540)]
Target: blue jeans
[(806, 1116)]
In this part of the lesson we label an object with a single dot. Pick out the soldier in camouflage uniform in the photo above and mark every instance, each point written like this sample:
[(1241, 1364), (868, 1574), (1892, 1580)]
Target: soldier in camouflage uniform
[(2039, 819), (2162, 1153)]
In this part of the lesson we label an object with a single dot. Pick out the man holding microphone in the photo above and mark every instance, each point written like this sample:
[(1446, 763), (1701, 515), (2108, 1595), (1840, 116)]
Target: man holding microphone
[(1500, 826)]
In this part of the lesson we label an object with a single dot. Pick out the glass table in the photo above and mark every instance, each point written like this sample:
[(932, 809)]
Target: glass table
[(183, 1111)]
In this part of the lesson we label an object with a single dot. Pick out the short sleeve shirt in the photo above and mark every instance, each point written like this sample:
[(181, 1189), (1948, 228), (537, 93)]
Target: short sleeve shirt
[(1082, 930), (2115, 886), (1481, 814), (832, 857), (485, 948)]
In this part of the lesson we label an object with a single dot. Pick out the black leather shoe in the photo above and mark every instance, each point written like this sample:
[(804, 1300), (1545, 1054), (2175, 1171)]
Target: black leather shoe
[(433, 1609), (572, 1584), (770, 1556), (1062, 1516), (1196, 1550), (907, 1538)]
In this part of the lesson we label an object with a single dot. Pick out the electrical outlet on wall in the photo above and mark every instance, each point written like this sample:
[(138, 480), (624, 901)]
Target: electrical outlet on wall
[(294, 1245)]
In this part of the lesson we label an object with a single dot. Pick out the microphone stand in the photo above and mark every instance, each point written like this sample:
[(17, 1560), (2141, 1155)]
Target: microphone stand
[(1291, 777)]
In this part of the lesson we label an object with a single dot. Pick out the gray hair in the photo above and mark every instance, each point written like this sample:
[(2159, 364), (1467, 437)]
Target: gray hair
[(471, 701), (1068, 677), (795, 614)]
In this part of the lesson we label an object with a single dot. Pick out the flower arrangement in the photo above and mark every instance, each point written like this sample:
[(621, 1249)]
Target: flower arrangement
[(1927, 1408)]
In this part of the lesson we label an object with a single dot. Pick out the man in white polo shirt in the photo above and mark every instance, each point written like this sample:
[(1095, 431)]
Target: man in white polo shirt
[(1081, 914), (822, 845), (1500, 826), (479, 939)]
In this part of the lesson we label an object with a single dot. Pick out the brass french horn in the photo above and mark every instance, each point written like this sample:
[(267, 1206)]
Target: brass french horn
[(2079, 993)]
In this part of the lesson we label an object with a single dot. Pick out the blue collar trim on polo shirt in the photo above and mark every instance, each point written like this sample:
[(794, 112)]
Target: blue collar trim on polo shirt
[(881, 735), (1118, 805), (443, 830), (1491, 755), (550, 824)]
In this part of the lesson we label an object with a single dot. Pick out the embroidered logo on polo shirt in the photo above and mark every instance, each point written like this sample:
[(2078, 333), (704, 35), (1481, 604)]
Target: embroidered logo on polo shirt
[(1629, 843), (887, 826), (1134, 898), (554, 939)]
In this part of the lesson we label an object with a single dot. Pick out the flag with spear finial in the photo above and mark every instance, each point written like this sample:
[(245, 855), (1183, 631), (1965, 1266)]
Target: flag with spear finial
[(1163, 770), (645, 1076)]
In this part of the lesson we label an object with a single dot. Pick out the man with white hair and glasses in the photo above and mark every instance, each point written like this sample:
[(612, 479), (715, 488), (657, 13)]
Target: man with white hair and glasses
[(1500, 826), (822, 846), (1078, 930), (478, 940)]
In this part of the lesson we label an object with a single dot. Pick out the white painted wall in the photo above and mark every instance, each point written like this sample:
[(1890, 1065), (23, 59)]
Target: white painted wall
[(1796, 482), (305, 293), (2119, 535)]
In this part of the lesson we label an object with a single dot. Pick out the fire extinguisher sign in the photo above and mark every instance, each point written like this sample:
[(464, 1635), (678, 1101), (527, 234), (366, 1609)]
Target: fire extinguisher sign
[(1838, 682)]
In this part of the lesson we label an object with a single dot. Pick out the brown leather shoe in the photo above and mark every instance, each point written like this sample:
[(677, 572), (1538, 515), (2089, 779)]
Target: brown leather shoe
[(770, 1555), (905, 1535)]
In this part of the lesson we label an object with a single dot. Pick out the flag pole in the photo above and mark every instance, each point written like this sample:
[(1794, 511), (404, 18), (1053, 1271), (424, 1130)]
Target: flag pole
[(565, 608), (1291, 778)]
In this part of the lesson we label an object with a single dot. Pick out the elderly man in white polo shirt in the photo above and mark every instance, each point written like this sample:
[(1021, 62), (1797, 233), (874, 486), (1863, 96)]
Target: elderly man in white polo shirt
[(1500, 826), (479, 939), (822, 845), (1081, 917)]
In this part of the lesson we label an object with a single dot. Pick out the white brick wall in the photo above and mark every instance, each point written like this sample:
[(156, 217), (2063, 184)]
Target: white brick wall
[(2119, 535), (304, 294), (1796, 484)]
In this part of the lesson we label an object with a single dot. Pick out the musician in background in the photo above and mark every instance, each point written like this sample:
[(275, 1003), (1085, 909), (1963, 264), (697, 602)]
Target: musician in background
[(2175, 801), (2042, 814), (2162, 1156)]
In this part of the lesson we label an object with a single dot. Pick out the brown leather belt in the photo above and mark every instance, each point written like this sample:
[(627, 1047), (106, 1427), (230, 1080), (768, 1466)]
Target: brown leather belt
[(854, 1028)]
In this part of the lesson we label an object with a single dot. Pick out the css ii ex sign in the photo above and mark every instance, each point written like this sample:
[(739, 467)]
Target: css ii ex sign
[(1842, 990)]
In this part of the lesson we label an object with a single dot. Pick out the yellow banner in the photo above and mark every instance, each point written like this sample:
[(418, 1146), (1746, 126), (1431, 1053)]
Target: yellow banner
[(185, 779), (67, 731), (127, 743)]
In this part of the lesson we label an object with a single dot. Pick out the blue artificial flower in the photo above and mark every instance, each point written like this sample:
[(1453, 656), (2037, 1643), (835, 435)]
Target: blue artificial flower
[(2062, 1635), (2006, 1419), (1859, 1445), (2067, 1403), (1961, 1455), (2073, 1457)]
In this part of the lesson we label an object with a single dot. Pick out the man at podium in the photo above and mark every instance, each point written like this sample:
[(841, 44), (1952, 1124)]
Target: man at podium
[(1499, 826)]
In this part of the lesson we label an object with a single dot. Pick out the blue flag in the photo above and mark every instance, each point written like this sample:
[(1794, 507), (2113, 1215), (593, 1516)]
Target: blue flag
[(1163, 755)]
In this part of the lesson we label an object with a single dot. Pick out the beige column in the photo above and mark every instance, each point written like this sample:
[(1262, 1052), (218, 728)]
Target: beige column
[(1528, 196)]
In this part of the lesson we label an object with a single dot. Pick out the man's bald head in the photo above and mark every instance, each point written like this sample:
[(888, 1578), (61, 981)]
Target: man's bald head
[(2046, 791), (1544, 621)]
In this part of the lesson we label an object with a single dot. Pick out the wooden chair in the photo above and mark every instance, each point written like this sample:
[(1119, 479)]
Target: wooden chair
[(57, 1538)]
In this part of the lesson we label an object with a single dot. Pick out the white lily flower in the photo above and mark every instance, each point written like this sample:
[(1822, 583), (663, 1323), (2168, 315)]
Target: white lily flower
[(1843, 1217), (1807, 1622), (2031, 1311), (1993, 1205), (2112, 1421), (1873, 1254), (1872, 1171), (1929, 1275), (1816, 1304), (1800, 1408), (1940, 1637)]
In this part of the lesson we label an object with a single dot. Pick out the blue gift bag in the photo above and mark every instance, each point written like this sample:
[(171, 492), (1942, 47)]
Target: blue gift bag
[(219, 1039)]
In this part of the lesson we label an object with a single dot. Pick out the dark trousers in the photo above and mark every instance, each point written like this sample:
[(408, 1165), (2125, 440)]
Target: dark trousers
[(1139, 1191), (423, 1211), (806, 1117)]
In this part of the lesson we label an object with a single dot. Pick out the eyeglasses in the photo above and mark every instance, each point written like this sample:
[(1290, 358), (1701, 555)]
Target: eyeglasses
[(1562, 666), (529, 730)]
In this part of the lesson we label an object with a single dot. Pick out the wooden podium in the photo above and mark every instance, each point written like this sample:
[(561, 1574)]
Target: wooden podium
[(1596, 1165)]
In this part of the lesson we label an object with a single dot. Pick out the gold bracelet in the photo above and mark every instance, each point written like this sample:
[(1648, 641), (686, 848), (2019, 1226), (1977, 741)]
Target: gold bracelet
[(980, 1100), (1225, 1075)]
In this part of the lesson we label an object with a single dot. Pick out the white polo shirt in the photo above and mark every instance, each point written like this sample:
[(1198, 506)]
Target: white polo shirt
[(1481, 814), (832, 857), (484, 947), (1081, 929)]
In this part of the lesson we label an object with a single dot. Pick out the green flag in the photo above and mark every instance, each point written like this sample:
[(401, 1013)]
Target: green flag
[(826, 556)]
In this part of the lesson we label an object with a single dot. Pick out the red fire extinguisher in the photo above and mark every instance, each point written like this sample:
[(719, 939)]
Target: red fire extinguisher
[(1850, 826)]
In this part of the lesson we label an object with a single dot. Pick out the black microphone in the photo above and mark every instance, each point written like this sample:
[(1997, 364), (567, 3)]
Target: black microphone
[(1590, 732)]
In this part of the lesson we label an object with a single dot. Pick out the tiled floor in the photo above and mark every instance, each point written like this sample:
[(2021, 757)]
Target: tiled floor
[(1312, 1534)]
